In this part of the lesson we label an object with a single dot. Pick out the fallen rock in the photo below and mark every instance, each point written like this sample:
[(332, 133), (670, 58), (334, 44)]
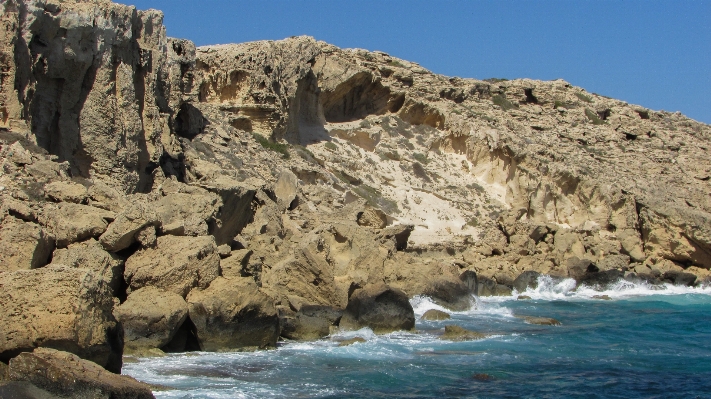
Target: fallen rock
[(309, 322), (59, 307), (285, 189), (347, 342), (23, 245), (121, 232), (543, 321), (91, 255), (66, 375), (147, 236), (71, 223), (456, 333), (66, 191), (435, 315), (380, 308), (679, 278), (176, 264), (233, 314), (23, 390), (372, 217), (150, 318), (191, 211), (525, 280)]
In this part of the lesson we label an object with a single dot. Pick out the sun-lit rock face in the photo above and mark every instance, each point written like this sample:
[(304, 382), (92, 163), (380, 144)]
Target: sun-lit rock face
[(302, 174)]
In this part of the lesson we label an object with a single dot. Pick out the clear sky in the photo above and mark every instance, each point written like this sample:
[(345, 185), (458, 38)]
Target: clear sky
[(655, 53)]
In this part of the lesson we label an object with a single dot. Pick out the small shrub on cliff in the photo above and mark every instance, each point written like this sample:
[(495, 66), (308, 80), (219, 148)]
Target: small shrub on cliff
[(421, 158), (376, 199), (502, 102), (283, 149), (594, 118), (330, 146), (584, 98)]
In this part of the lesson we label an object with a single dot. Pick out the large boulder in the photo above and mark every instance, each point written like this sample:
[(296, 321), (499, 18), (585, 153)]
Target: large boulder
[(176, 264), (186, 214), (233, 314), (62, 308), (68, 376), (150, 318), (309, 322), (91, 255), (121, 233), (285, 189), (66, 191), (525, 280), (380, 308), (70, 222), (23, 245)]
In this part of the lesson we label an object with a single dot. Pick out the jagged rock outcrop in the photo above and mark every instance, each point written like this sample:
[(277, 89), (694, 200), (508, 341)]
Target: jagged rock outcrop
[(62, 308), (68, 376)]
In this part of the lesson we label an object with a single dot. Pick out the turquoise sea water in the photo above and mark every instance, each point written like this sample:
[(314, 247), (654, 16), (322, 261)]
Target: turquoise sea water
[(644, 343)]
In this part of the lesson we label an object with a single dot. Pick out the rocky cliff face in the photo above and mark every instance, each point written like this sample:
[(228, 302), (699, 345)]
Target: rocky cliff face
[(228, 195)]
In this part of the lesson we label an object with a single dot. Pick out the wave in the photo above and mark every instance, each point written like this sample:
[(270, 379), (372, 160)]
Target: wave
[(550, 288)]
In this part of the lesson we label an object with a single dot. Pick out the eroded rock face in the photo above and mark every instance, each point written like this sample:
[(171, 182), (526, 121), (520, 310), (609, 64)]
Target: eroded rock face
[(91, 255), (71, 223), (24, 245), (62, 308), (69, 376), (150, 318), (233, 314), (380, 308), (78, 97), (176, 264)]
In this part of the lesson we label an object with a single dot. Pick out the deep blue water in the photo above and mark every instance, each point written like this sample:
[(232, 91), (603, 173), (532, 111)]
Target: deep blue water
[(641, 344)]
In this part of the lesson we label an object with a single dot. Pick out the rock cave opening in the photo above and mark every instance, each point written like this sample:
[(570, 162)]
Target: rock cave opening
[(184, 340), (358, 97)]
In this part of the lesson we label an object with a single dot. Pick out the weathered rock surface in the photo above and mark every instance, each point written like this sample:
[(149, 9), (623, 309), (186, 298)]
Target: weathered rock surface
[(332, 181), (69, 376), (435, 315), (150, 318), (71, 223), (121, 233), (58, 307), (456, 333), (24, 245), (380, 308), (233, 314), (176, 264), (91, 255)]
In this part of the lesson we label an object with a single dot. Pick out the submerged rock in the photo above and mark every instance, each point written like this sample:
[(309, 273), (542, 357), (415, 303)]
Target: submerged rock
[(456, 333), (543, 321), (347, 342), (435, 315)]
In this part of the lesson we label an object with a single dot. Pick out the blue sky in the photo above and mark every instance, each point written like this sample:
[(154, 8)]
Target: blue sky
[(649, 52)]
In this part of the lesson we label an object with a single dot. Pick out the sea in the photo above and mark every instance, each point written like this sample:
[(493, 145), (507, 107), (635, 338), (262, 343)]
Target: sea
[(643, 342)]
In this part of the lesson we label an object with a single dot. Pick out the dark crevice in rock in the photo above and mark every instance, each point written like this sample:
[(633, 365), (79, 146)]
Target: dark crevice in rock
[(530, 98), (184, 340), (189, 122)]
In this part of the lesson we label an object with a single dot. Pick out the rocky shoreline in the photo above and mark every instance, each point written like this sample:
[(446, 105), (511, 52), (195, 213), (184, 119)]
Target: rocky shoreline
[(158, 197)]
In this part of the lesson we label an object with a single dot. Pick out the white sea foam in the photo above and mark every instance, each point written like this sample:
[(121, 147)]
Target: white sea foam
[(556, 289), (421, 304)]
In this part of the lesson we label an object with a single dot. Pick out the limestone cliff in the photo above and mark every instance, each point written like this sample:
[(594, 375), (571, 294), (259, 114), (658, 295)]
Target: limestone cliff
[(228, 195)]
